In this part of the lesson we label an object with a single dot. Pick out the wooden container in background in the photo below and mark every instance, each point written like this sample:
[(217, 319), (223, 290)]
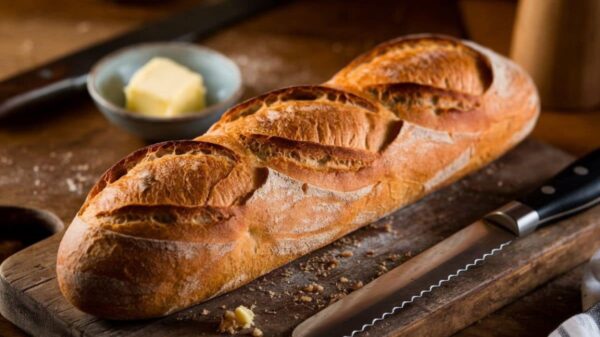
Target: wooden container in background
[(558, 43)]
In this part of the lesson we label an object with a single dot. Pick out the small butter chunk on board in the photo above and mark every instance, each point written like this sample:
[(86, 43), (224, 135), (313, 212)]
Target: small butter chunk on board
[(164, 88), (241, 318), (244, 316)]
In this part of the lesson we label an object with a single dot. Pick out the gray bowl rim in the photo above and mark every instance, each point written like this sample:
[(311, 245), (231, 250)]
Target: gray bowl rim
[(208, 112)]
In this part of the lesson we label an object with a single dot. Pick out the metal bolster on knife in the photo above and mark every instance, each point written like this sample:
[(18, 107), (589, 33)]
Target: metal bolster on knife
[(516, 217)]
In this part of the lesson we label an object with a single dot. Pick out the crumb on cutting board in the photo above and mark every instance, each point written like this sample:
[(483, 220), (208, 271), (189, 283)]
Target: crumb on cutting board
[(242, 318), (346, 253), (312, 294), (313, 288), (388, 227), (305, 298), (357, 285)]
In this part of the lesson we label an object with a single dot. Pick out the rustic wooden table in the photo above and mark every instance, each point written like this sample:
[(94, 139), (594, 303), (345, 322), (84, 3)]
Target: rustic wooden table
[(53, 160)]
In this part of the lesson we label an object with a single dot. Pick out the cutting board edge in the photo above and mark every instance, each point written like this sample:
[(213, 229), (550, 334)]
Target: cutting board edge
[(15, 308)]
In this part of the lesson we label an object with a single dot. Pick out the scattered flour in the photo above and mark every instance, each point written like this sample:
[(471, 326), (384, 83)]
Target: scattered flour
[(272, 115)]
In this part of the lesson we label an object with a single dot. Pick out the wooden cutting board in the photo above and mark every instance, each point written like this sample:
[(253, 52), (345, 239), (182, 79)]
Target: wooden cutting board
[(29, 294)]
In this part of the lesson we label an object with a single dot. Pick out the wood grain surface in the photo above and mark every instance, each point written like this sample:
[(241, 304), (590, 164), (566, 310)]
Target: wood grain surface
[(29, 293), (51, 160)]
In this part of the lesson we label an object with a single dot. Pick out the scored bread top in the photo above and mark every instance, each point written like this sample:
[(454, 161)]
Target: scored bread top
[(291, 170), (341, 127)]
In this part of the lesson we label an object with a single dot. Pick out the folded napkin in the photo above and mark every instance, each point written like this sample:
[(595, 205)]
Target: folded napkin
[(582, 325), (585, 324)]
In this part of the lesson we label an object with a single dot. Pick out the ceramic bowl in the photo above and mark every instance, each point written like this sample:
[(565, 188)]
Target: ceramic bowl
[(108, 78)]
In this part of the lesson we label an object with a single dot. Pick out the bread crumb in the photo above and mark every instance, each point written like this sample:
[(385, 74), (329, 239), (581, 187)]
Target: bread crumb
[(257, 332), (369, 253), (393, 257), (305, 298), (309, 288), (332, 264), (346, 253), (347, 240), (313, 288), (205, 312), (320, 265), (336, 297), (228, 323), (357, 285), (344, 279)]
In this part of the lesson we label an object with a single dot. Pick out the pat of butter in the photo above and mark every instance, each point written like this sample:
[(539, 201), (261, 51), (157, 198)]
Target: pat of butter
[(163, 88), (244, 316)]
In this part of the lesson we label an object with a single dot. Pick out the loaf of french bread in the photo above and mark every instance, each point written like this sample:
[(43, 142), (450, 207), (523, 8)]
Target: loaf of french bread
[(285, 173)]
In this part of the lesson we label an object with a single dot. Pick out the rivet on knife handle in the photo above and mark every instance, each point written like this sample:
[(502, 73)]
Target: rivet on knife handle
[(574, 189)]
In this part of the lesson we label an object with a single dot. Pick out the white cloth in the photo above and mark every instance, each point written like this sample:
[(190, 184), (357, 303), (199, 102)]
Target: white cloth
[(590, 287), (586, 324), (582, 325)]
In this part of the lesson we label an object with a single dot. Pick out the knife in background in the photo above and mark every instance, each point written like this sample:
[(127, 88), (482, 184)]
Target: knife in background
[(63, 77), (574, 189)]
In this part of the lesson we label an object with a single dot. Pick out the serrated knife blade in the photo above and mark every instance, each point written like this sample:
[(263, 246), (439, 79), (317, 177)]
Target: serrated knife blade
[(574, 189), (406, 283)]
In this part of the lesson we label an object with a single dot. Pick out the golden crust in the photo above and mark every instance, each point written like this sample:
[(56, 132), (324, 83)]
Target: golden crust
[(288, 172), (435, 61)]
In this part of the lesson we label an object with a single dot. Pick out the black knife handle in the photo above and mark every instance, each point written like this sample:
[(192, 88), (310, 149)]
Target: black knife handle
[(573, 189), (28, 92)]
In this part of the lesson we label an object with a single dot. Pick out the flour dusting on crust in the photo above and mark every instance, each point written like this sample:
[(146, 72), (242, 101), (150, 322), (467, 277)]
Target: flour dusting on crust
[(458, 164)]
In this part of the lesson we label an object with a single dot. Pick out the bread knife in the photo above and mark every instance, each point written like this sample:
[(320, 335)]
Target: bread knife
[(574, 189), (66, 76)]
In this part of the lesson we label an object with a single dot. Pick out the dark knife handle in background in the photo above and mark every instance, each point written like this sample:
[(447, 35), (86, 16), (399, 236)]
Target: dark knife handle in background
[(30, 90), (574, 189)]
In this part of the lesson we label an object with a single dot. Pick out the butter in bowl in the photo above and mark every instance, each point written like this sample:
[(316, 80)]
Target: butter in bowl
[(163, 91)]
